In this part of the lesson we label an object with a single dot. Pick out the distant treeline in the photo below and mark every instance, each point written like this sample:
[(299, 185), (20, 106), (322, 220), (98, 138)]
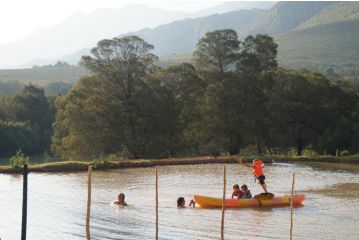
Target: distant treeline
[(232, 97), (56, 79), (26, 121), (11, 88)]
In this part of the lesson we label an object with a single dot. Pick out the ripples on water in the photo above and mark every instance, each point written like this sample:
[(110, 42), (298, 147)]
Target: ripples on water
[(57, 204)]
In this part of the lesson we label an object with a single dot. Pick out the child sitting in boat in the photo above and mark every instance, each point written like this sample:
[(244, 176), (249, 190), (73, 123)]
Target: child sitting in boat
[(181, 203), (237, 193), (121, 200), (246, 192)]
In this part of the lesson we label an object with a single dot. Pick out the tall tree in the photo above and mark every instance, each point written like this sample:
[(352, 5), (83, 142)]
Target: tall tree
[(226, 115), (258, 54), (188, 90), (217, 50), (33, 106), (122, 61), (115, 109)]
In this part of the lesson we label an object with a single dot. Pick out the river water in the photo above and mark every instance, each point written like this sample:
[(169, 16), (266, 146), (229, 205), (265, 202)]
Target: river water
[(57, 204)]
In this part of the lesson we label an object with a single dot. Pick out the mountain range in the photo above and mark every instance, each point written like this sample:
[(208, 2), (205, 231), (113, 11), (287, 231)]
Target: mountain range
[(81, 31), (313, 35)]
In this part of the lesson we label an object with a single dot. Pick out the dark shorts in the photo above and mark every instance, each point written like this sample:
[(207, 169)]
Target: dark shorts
[(261, 179)]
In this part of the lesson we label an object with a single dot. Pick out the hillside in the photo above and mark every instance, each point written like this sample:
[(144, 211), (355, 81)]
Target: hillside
[(44, 74), (339, 12), (284, 17), (327, 39), (233, 6), (82, 31), (182, 36), (329, 44), (313, 35)]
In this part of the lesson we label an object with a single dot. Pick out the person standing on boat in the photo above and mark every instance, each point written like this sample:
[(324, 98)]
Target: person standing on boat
[(257, 169)]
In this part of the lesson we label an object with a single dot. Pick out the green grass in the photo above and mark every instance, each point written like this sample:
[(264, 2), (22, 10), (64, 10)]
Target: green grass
[(80, 166)]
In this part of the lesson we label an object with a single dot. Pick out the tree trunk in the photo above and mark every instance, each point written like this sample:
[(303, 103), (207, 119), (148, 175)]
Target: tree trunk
[(234, 146), (299, 150), (270, 151), (234, 150), (259, 149)]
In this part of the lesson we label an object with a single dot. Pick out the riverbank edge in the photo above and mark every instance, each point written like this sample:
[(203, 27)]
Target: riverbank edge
[(81, 166)]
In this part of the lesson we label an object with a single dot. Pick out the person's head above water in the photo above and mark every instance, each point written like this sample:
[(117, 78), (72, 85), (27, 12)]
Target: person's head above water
[(181, 202), (121, 200), (121, 197)]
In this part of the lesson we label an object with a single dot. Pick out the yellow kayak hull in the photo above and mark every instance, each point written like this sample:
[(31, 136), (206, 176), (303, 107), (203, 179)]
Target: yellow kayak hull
[(212, 202)]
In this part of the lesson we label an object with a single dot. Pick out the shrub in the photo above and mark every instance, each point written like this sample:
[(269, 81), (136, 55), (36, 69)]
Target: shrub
[(19, 159), (100, 162), (125, 154)]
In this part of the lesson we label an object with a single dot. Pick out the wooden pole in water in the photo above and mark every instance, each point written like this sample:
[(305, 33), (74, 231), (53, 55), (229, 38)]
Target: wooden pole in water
[(291, 208), (157, 203), (24, 203), (88, 214), (223, 199)]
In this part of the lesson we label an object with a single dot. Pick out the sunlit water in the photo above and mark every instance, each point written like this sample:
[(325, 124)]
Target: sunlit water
[(57, 204)]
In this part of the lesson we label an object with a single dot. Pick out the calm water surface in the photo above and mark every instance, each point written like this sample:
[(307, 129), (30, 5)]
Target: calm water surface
[(57, 204)]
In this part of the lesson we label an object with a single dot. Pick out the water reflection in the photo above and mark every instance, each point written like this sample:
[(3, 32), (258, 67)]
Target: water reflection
[(57, 204)]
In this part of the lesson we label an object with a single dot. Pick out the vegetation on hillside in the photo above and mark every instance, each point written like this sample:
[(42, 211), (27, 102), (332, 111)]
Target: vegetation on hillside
[(334, 13), (311, 35), (331, 45), (42, 75), (285, 16), (233, 97), (237, 99), (181, 36)]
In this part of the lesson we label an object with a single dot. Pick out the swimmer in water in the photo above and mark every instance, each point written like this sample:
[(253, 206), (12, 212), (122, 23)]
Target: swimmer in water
[(121, 200)]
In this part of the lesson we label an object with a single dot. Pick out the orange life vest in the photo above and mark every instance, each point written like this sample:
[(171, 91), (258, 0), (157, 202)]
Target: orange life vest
[(257, 167)]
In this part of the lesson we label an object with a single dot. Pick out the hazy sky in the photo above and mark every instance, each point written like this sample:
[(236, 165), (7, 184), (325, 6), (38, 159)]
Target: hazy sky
[(20, 17)]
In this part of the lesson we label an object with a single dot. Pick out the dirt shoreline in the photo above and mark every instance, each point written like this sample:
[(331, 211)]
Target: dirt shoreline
[(81, 166)]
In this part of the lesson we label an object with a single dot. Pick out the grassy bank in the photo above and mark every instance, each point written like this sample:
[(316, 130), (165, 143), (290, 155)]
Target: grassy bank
[(78, 166)]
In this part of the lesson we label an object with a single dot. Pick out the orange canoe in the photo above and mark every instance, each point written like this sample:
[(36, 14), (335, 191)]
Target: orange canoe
[(211, 202)]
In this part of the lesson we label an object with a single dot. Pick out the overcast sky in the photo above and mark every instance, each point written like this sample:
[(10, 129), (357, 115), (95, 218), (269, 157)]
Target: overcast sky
[(20, 17)]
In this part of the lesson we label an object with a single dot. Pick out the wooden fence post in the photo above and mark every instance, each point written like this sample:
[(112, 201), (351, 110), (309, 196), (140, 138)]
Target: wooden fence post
[(88, 213), (24, 203), (223, 201), (291, 208), (157, 203)]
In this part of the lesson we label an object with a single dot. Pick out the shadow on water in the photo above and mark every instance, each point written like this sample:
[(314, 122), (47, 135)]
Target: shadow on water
[(340, 190), (335, 167)]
